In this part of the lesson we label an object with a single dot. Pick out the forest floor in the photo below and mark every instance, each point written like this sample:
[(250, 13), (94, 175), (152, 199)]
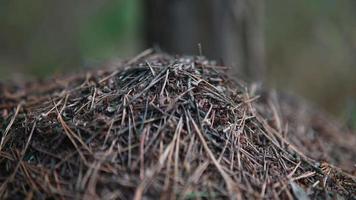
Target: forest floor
[(169, 127)]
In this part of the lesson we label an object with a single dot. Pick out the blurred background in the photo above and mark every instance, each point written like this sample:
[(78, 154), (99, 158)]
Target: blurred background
[(305, 47)]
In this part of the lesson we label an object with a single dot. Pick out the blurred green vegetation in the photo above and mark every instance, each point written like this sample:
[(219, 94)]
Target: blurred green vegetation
[(311, 48), (114, 30), (310, 45), (42, 37)]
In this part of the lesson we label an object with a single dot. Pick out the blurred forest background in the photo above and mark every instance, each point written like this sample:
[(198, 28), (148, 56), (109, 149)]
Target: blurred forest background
[(309, 47)]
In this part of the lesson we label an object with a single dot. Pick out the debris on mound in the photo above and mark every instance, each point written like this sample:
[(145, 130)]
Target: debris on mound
[(312, 131), (156, 127)]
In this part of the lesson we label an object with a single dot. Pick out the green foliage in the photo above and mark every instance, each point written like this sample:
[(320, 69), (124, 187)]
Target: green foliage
[(110, 30), (41, 37), (310, 49)]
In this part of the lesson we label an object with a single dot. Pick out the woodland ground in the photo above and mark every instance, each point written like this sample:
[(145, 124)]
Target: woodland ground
[(169, 127)]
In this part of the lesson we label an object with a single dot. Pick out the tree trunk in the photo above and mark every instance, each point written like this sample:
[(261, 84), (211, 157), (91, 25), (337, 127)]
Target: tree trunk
[(228, 30)]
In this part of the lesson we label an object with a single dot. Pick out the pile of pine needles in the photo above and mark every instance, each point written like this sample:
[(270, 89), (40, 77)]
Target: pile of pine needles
[(165, 127)]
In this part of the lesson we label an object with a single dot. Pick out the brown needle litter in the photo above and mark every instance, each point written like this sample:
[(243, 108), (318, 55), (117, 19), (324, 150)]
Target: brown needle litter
[(160, 126)]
